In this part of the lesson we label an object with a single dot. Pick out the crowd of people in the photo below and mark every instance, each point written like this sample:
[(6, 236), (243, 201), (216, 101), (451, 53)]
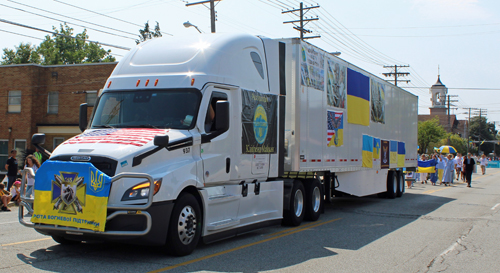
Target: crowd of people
[(449, 168), (11, 192)]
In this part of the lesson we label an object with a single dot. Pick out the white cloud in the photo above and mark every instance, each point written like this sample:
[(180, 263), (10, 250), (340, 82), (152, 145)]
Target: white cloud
[(451, 9)]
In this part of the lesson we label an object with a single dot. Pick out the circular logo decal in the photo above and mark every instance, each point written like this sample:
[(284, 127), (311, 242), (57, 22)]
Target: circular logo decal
[(260, 124)]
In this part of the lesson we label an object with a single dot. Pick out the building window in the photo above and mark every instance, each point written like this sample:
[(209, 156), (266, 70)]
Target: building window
[(14, 102), (53, 103), (57, 141), (20, 146), (91, 97), (4, 153)]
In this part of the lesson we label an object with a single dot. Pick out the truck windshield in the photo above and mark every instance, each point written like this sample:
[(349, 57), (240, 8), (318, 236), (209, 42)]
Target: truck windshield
[(174, 109)]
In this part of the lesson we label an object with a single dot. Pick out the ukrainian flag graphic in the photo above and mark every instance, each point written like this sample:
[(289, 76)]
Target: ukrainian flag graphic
[(367, 151), (376, 148), (358, 98), (401, 154), (72, 194), (427, 166), (393, 150)]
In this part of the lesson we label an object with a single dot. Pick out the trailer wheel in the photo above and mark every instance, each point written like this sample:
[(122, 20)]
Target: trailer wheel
[(401, 184), (185, 226), (392, 184), (314, 199), (295, 215), (63, 241)]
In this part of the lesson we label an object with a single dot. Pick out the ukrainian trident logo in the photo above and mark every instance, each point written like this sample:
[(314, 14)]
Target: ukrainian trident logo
[(96, 181), (68, 193)]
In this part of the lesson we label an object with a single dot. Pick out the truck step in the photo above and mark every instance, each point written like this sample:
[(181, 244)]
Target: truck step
[(223, 224)]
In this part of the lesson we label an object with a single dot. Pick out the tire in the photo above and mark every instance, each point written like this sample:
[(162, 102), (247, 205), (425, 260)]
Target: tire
[(392, 184), (63, 241), (184, 230), (313, 199), (401, 184), (295, 215)]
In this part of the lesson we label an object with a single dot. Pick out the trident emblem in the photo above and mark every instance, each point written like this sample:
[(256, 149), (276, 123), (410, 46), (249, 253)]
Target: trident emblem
[(96, 181)]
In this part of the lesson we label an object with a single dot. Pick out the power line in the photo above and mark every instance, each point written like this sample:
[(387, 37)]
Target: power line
[(59, 34), (21, 34)]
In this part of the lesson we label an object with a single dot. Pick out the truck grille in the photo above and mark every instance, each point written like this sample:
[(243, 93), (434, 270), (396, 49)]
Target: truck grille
[(103, 164)]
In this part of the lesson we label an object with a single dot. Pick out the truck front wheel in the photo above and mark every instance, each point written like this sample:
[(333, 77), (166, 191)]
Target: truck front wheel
[(185, 226), (295, 215)]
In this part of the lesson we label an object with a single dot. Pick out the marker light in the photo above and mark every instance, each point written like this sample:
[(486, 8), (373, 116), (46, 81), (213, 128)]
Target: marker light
[(137, 84), (147, 82), (156, 82), (192, 81), (141, 191), (109, 84)]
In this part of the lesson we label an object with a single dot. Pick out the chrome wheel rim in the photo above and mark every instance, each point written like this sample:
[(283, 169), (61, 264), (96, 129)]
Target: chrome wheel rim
[(316, 199), (298, 203), (186, 228), (394, 184)]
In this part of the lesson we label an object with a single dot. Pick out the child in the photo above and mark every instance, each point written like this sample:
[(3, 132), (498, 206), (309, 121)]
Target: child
[(15, 190), (5, 196)]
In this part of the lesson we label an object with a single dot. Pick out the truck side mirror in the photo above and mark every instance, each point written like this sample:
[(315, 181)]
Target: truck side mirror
[(161, 141), (38, 139), (83, 117), (222, 116)]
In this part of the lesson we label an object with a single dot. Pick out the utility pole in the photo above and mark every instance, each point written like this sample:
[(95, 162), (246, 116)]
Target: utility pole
[(449, 125), (468, 128), (396, 73), (212, 11), (302, 11)]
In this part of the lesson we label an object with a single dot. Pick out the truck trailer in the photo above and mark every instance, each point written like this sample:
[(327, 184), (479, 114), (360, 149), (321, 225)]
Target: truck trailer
[(209, 136)]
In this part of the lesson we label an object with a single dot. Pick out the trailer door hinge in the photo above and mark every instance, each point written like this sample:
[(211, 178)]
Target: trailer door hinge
[(257, 187), (244, 189)]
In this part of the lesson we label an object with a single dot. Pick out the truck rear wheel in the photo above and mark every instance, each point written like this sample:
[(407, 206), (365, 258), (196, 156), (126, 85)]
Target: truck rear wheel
[(392, 184), (314, 199), (401, 184), (295, 215), (185, 226)]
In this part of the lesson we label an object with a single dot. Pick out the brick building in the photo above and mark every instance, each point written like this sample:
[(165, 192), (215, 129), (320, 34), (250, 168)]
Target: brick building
[(439, 109), (45, 99)]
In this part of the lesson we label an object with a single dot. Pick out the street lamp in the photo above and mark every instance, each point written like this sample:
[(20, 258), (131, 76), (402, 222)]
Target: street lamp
[(188, 24)]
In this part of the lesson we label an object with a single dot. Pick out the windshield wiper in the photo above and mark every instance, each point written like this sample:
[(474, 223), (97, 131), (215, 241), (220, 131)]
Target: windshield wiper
[(103, 126), (146, 126)]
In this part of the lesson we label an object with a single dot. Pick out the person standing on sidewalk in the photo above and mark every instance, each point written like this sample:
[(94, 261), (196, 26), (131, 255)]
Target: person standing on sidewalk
[(469, 164), (12, 168)]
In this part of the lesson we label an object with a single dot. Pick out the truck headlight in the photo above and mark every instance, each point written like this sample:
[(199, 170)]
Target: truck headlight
[(141, 191)]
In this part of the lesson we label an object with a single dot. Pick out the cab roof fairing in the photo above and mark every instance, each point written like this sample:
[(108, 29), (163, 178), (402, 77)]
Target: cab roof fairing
[(220, 58)]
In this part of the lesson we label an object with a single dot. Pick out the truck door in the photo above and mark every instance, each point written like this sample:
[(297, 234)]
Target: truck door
[(216, 145)]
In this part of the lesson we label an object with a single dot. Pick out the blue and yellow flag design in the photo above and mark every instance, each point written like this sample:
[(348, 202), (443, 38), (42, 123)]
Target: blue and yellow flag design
[(376, 148), (367, 152), (72, 194), (358, 98), (427, 166), (401, 154), (393, 152)]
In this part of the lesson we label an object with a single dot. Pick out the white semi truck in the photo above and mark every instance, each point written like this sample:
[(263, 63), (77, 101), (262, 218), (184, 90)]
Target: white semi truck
[(209, 136)]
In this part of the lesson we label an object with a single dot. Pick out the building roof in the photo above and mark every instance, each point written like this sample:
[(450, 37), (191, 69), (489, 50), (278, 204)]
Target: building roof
[(438, 82)]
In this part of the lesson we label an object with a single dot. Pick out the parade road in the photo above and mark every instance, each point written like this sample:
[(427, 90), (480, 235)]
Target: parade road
[(429, 229)]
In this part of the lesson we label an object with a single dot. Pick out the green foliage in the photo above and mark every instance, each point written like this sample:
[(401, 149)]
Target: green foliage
[(480, 129), (429, 132), (147, 34), (60, 48), (456, 141), (24, 53)]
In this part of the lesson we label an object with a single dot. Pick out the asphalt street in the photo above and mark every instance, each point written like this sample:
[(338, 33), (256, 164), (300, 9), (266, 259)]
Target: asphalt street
[(429, 229)]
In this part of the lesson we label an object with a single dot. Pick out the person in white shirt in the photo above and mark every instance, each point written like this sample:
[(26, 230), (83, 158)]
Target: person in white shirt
[(31, 162), (440, 167), (484, 162)]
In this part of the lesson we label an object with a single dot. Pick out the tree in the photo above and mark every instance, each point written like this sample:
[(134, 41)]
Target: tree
[(23, 54), (60, 48), (480, 129), (429, 132), (147, 34), (460, 144)]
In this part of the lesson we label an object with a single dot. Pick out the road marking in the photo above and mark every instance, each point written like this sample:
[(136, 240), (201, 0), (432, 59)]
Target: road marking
[(495, 206), (25, 242), (316, 224)]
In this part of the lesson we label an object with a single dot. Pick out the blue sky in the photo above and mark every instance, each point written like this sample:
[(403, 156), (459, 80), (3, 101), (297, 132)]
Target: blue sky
[(459, 36)]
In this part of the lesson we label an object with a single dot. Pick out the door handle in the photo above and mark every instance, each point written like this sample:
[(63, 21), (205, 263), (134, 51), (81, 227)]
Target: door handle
[(228, 164)]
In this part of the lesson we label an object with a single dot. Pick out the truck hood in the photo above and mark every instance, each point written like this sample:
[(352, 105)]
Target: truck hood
[(116, 143)]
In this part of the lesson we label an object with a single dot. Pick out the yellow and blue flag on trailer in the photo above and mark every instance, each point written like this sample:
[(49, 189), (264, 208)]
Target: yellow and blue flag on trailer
[(376, 148), (427, 166), (72, 194), (358, 98), (367, 152), (401, 154), (393, 152)]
